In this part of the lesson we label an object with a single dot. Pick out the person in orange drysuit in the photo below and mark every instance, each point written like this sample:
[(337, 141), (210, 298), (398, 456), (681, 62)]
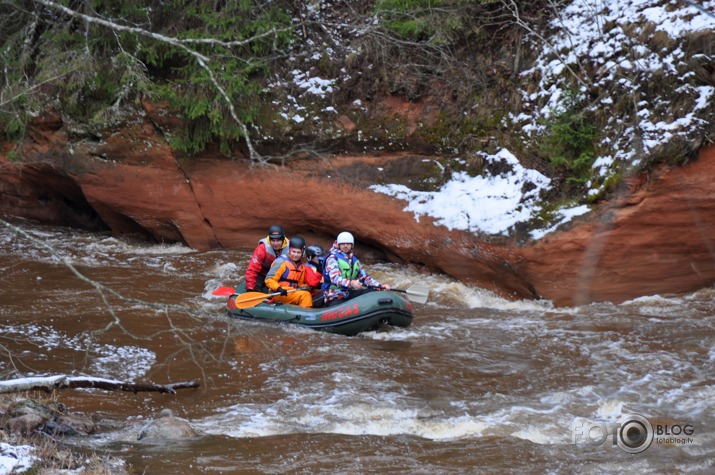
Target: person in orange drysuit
[(288, 273)]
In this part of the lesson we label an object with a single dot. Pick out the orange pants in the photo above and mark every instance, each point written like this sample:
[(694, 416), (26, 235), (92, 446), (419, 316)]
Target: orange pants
[(298, 297)]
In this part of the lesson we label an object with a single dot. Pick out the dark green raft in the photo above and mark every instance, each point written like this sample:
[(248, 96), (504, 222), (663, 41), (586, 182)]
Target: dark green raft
[(369, 311)]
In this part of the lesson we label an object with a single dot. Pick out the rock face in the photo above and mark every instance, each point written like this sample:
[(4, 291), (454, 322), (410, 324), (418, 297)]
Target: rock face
[(657, 237)]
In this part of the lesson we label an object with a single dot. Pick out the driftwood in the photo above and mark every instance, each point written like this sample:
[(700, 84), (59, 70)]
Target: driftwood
[(49, 383)]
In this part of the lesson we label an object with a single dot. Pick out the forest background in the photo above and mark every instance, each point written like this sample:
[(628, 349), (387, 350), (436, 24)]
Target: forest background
[(274, 81)]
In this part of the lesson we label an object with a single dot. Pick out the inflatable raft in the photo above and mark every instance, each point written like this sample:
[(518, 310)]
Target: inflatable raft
[(368, 311)]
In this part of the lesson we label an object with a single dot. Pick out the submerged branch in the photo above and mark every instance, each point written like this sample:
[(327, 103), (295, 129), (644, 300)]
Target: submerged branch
[(49, 383)]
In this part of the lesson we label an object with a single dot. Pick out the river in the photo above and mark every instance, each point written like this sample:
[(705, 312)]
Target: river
[(477, 384)]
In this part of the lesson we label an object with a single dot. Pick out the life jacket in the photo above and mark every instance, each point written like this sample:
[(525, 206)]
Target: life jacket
[(293, 275), (271, 253), (349, 268)]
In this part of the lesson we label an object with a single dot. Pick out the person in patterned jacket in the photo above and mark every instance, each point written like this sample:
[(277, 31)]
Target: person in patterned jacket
[(344, 276)]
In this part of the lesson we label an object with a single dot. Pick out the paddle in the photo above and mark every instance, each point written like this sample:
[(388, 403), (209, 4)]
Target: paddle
[(224, 291), (246, 300), (416, 293), (229, 291), (251, 299)]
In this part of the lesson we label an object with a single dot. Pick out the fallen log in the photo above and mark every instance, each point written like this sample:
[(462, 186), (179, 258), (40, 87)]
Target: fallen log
[(61, 381)]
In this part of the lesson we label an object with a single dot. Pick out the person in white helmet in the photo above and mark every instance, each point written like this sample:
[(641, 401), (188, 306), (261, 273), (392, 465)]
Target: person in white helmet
[(344, 277)]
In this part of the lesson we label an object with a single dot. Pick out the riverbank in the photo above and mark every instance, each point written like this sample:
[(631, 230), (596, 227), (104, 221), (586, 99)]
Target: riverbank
[(27, 447)]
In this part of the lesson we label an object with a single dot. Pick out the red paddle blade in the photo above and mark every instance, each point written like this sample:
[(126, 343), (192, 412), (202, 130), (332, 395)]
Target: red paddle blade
[(224, 291)]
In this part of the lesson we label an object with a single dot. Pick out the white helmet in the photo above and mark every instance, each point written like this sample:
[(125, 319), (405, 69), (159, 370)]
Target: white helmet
[(346, 238)]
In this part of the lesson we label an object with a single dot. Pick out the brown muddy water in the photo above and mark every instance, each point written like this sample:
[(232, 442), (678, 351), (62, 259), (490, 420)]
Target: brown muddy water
[(477, 384)]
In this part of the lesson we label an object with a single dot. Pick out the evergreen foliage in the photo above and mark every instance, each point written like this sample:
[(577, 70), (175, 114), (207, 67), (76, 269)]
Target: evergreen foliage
[(92, 68), (436, 21), (409, 18), (569, 142)]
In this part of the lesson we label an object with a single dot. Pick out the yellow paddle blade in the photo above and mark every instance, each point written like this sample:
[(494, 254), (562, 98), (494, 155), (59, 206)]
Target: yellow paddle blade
[(251, 299)]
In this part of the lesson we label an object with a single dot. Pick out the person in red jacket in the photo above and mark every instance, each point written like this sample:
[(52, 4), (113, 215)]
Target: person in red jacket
[(263, 256), (314, 273)]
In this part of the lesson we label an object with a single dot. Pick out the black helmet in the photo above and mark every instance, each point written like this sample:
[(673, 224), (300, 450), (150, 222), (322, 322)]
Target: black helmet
[(297, 242), (314, 251), (276, 232)]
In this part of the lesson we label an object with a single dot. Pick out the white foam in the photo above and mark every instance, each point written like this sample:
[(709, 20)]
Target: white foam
[(609, 409)]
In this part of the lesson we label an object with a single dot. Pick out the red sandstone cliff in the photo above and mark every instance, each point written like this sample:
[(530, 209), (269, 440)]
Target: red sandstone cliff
[(656, 238)]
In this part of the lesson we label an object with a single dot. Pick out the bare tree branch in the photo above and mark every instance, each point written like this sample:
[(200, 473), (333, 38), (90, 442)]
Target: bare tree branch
[(103, 290), (182, 44), (116, 27), (514, 9), (198, 351)]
